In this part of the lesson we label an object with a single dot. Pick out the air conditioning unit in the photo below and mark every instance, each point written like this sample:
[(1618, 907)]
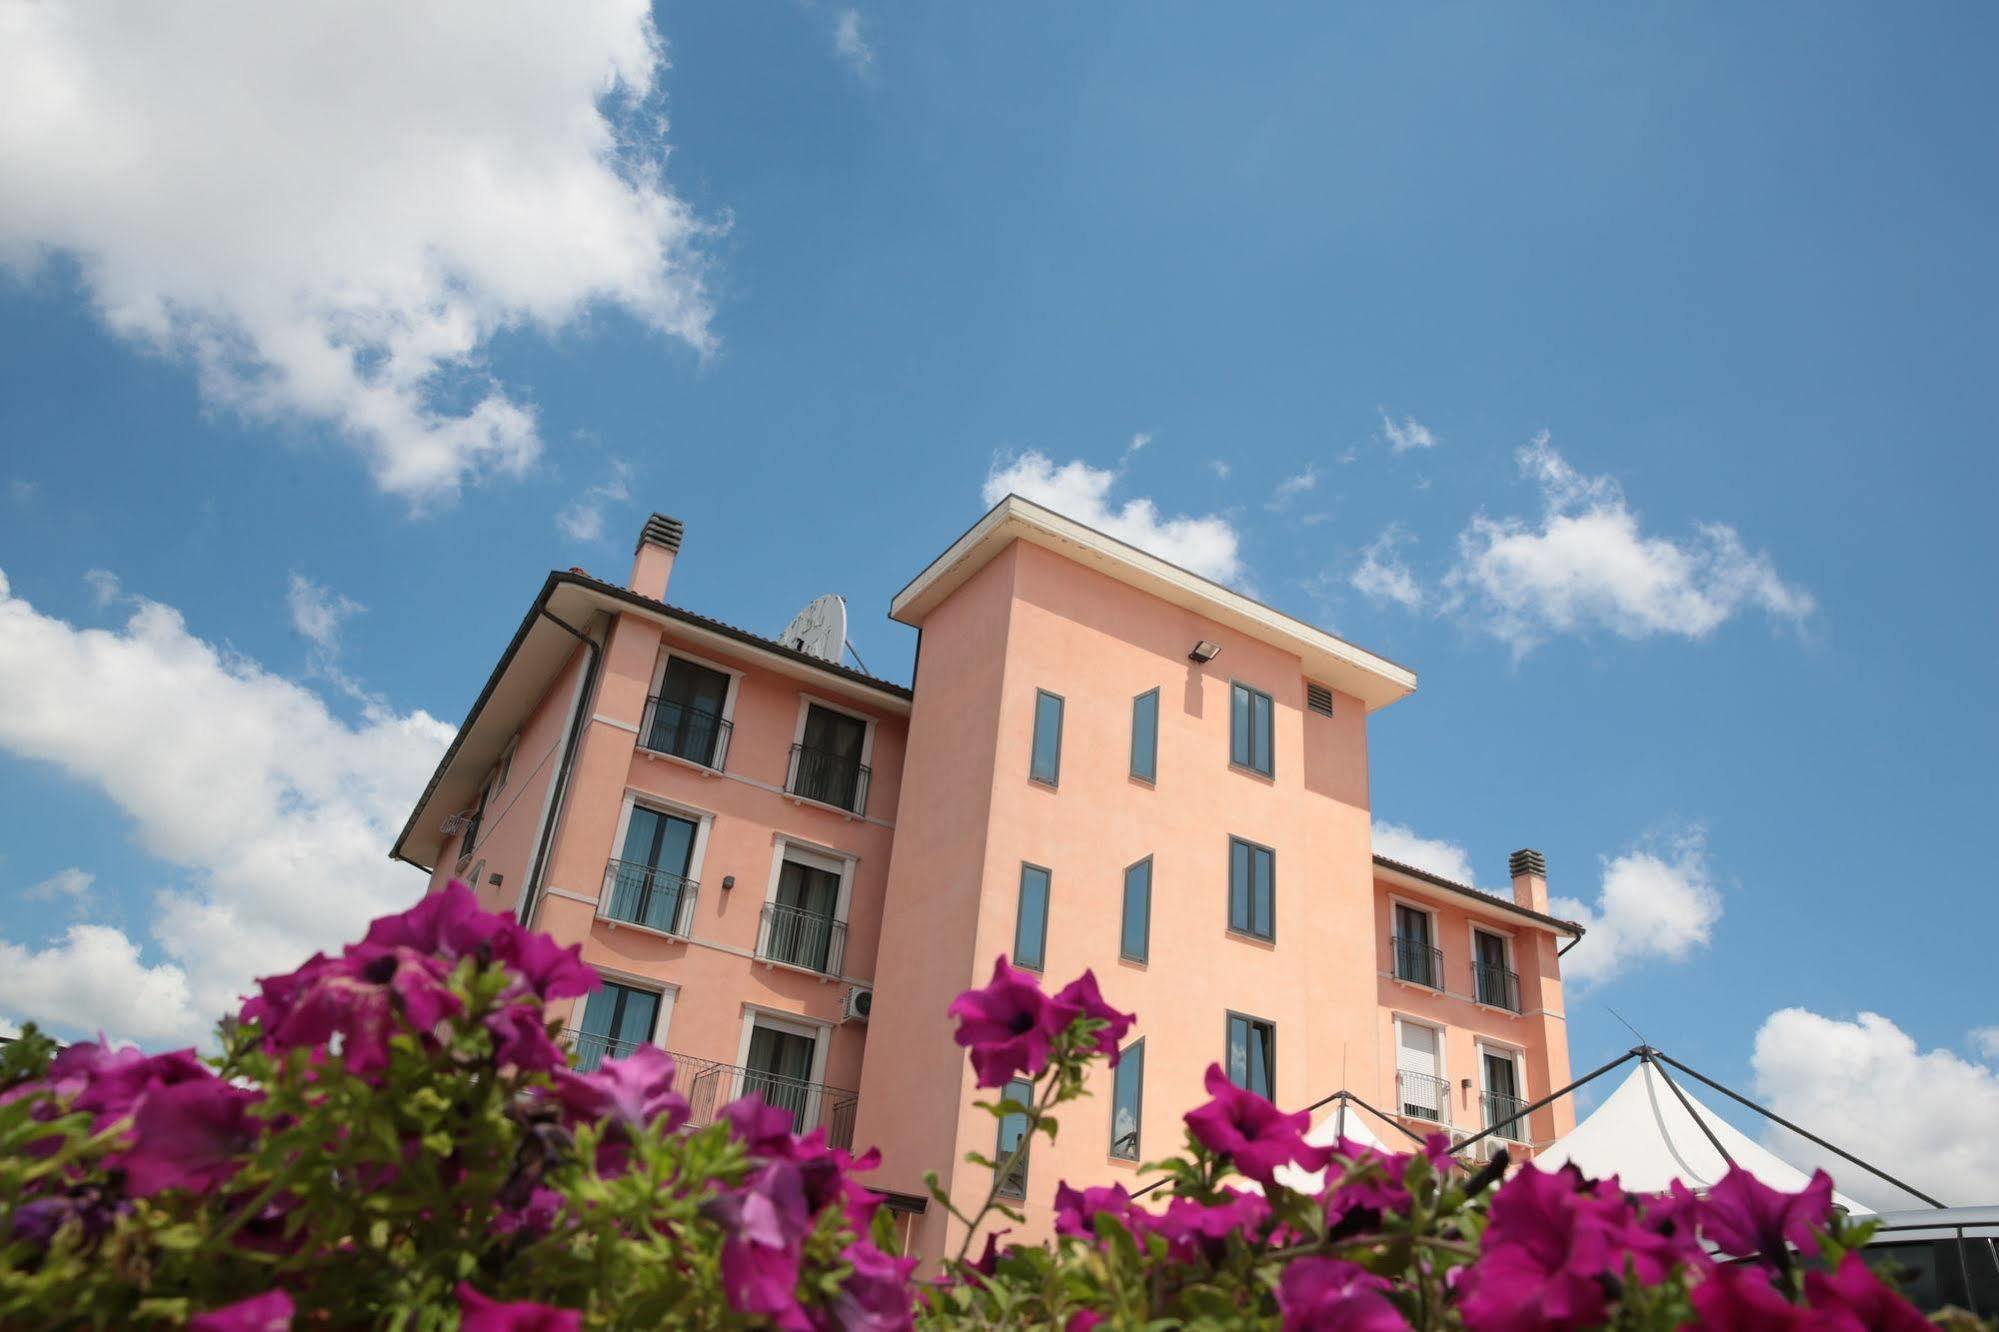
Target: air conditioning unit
[(855, 1005)]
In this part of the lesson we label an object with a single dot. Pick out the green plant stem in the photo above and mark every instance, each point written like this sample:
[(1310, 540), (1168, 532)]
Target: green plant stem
[(1000, 1175)]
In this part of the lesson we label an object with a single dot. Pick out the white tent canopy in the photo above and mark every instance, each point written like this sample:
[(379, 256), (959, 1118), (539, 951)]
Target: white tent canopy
[(1342, 1121), (1644, 1136)]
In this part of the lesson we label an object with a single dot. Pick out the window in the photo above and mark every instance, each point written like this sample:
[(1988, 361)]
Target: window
[(472, 828), (826, 763), (801, 925), (1249, 729), (1145, 736), (617, 1019), (1318, 699), (1502, 1094), (686, 720), (648, 885), (1030, 929), (1128, 1101), (1494, 982), (1252, 889), (1012, 1134), (778, 1068), (1419, 1084), (1046, 765), (1415, 958), (1253, 1055), (1137, 928), (506, 765)]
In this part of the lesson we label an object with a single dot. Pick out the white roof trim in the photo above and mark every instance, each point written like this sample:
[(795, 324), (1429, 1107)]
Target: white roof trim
[(1374, 680)]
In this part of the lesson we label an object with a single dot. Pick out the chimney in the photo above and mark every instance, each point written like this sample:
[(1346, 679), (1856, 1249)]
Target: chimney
[(1530, 879), (653, 562)]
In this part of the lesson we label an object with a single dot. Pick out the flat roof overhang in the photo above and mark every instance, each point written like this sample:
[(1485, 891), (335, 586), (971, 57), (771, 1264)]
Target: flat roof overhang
[(1439, 889)]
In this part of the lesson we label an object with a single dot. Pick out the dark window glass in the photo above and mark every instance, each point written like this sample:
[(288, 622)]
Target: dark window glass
[(1030, 931), (1252, 889), (800, 923), (829, 758), (1145, 735), (1253, 1055), (1502, 1096), (779, 1069), (1137, 911), (1249, 729), (1128, 1102), (648, 882), (617, 1019), (687, 719), (1416, 958), (1012, 1132), (1046, 765), (1496, 983)]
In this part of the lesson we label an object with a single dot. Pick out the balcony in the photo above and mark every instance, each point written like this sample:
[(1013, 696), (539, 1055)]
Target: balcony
[(652, 899), (1505, 1110), (588, 1049), (796, 937), (709, 1086), (828, 778), (1496, 986), (671, 727), (1417, 962), (1421, 1096)]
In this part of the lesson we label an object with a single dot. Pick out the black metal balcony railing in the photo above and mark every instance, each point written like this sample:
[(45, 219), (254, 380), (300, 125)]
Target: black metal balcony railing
[(588, 1049), (801, 938), (831, 779), (639, 894), (1423, 1097), (709, 1086), (1495, 986), (1503, 1114), (694, 734), (1416, 961)]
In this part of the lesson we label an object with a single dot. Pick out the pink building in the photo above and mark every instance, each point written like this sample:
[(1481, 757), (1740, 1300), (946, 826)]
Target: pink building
[(785, 868)]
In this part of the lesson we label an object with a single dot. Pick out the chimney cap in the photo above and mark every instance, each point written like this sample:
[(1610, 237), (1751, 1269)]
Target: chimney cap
[(1527, 861), (661, 531)]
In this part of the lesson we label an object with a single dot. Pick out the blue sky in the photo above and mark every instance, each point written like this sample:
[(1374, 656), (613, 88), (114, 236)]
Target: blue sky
[(1683, 318)]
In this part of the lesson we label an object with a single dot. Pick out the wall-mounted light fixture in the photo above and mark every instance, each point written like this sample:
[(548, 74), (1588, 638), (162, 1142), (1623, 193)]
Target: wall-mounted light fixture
[(728, 882), (1205, 652), (1464, 1083)]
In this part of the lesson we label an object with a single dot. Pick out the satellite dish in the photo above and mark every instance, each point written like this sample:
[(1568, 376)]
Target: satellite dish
[(820, 629)]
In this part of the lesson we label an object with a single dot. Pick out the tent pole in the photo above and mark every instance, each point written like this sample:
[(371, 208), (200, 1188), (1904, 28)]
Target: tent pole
[(1389, 1120), (1687, 1105), (1806, 1135), (1551, 1097)]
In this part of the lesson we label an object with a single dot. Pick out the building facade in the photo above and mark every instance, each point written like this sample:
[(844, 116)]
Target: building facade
[(785, 869)]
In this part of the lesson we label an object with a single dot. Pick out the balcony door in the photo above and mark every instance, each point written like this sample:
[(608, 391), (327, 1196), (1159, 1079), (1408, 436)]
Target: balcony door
[(617, 1019), (1421, 1090), (803, 917), (1497, 985), (687, 719), (778, 1067), (1415, 951), (829, 757), (1502, 1093), (649, 880)]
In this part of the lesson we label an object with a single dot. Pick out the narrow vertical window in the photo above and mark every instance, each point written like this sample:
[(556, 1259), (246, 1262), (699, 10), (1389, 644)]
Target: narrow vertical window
[(1252, 1055), (1252, 889), (1145, 736), (1012, 1134), (1046, 765), (1030, 929), (1249, 729), (1137, 929), (1128, 1101)]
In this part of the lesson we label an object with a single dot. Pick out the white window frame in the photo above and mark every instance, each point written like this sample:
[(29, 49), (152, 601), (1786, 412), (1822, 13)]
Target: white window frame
[(805, 704), (667, 991), (667, 652), (704, 821), (1515, 1055), (786, 847), (1443, 1073), (795, 1024)]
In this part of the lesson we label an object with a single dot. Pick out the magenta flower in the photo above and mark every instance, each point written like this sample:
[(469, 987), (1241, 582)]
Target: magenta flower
[(1082, 996), (1082, 1320), (1010, 1026), (1743, 1216), (1250, 1131), (107, 1082), (767, 1221), (1737, 1298), (356, 996), (1196, 1231), (1854, 1292), (1076, 1212), (1328, 1295), (191, 1136), (762, 1128), (1548, 1245), (448, 925), (476, 1313), (546, 967), (269, 1312), (520, 1040), (875, 1295), (634, 1091)]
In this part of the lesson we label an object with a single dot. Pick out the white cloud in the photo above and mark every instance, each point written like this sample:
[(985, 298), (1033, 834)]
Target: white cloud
[(1206, 545), (278, 814), (1586, 563), (1922, 1115), (330, 211), (1657, 902), (71, 883), (584, 519), (22, 492), (319, 612), (1445, 859), (1220, 467), (1291, 487), (1985, 1040), (1383, 575), (850, 43), (104, 586), (1410, 434), (1352, 454)]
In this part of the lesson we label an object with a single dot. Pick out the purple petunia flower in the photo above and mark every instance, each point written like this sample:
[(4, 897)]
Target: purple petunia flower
[(191, 1135), (1328, 1295), (1745, 1217), (1738, 1298), (767, 1221), (1250, 1131), (874, 1297), (635, 1091), (269, 1312), (1076, 1212), (1010, 1026), (476, 1313), (1855, 1292), (1200, 1232), (520, 1039), (1550, 1241), (1082, 995), (356, 996)]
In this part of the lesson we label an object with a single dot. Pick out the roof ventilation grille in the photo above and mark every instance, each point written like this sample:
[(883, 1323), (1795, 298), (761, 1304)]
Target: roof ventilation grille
[(1319, 699)]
